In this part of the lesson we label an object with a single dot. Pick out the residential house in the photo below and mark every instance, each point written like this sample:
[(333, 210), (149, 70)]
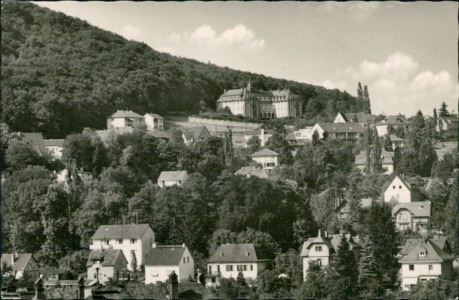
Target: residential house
[(398, 191), (445, 147), (320, 249), (396, 141), (163, 260), (386, 161), (124, 118), (412, 215), (395, 122), (230, 259), (360, 117), (447, 123), (35, 141), (425, 259), (55, 147), (106, 264), (343, 210), (169, 178), (345, 131), (195, 134), (267, 158), (134, 240), (261, 134), (252, 171), (303, 135), (20, 264), (154, 121)]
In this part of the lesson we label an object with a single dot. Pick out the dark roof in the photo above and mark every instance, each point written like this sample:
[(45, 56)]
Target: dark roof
[(54, 143), (156, 116), (290, 137), (341, 127), (194, 132), (126, 114), (165, 255), (265, 152), (108, 257), (21, 261), (235, 253), (418, 209), (360, 116), (313, 241), (433, 253), (129, 231), (251, 171), (35, 140), (172, 176), (395, 138)]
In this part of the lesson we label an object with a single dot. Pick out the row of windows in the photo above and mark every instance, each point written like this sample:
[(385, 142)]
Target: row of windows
[(229, 268), (186, 260), (120, 241), (411, 267)]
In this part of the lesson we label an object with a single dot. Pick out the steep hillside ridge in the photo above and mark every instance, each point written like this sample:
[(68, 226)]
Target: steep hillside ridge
[(60, 74)]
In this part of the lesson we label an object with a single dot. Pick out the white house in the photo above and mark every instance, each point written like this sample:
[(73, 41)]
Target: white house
[(446, 123), (344, 131), (303, 135), (320, 249), (396, 141), (412, 215), (134, 240), (387, 161), (263, 136), (163, 260), (360, 117), (169, 178), (124, 118), (425, 259), (267, 158), (106, 264), (398, 191), (20, 264), (230, 259), (154, 121), (393, 121), (55, 147)]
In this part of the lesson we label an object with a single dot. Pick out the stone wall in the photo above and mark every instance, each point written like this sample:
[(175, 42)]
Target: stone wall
[(215, 126)]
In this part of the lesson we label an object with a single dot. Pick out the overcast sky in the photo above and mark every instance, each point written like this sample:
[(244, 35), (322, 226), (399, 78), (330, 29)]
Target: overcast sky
[(405, 52)]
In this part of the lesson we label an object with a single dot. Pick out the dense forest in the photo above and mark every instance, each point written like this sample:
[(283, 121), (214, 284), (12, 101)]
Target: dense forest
[(60, 75)]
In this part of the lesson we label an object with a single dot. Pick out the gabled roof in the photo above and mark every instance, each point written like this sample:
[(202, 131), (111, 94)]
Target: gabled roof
[(35, 140), (335, 240), (165, 255), (128, 231), (21, 261), (54, 143), (233, 92), (126, 114), (107, 257), (412, 249), (264, 152), (360, 116), (172, 176), (290, 137), (396, 120), (395, 138), (250, 171), (236, 253), (156, 116), (417, 209), (387, 160), (319, 240), (341, 127), (389, 184), (194, 132)]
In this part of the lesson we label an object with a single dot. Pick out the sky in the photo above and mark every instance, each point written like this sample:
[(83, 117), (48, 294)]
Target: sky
[(406, 53)]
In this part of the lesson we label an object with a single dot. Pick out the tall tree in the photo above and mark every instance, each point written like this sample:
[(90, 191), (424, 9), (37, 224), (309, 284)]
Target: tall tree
[(368, 272), (346, 270), (443, 111), (368, 144), (376, 153)]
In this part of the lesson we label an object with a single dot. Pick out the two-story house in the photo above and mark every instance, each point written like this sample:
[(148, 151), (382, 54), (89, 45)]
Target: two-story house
[(412, 215), (106, 264), (134, 240), (319, 249), (55, 147), (360, 117), (267, 158), (396, 141), (230, 259), (398, 191), (195, 134), (387, 161), (344, 131), (394, 122), (169, 178), (425, 259), (154, 121), (163, 260), (20, 264), (124, 118)]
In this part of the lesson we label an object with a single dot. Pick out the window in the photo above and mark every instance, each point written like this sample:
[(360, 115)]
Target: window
[(188, 259), (132, 241), (422, 253), (393, 187), (229, 268), (210, 269), (318, 248), (107, 242), (430, 267), (411, 267), (120, 241), (251, 267), (242, 267), (184, 260), (400, 187), (319, 262)]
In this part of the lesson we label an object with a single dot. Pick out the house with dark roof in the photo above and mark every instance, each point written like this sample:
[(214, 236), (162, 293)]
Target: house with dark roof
[(252, 171), (320, 249), (230, 259), (344, 131), (343, 210), (169, 178), (398, 191), (20, 264), (134, 240), (447, 123), (423, 260), (267, 158), (163, 260), (55, 147), (195, 134), (412, 215), (387, 161), (105, 264), (394, 122), (154, 121), (396, 141), (124, 118), (35, 141), (359, 117)]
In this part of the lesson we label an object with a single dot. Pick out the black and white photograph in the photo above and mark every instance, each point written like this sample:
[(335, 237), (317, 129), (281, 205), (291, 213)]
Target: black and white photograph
[(229, 150)]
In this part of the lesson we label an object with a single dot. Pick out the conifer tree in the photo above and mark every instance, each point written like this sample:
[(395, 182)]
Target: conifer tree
[(367, 270), (368, 140), (346, 269), (388, 143), (376, 157), (443, 111), (315, 138)]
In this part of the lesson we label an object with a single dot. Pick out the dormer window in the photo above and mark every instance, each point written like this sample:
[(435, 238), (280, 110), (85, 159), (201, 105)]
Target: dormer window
[(247, 254), (422, 253), (318, 248), (221, 254)]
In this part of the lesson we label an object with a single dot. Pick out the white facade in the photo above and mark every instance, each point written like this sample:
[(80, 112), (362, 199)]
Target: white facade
[(154, 122), (339, 119), (139, 246), (320, 253), (411, 272), (319, 130), (397, 191), (236, 107), (268, 162), (160, 273), (55, 151), (250, 270), (282, 109), (382, 129), (388, 168), (304, 134)]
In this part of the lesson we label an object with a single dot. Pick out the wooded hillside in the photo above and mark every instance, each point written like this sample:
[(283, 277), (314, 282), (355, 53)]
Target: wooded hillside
[(60, 74)]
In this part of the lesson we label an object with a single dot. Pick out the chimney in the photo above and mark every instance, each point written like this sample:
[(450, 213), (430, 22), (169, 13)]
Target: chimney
[(340, 232), (153, 245), (225, 91), (326, 234), (319, 233), (183, 245)]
